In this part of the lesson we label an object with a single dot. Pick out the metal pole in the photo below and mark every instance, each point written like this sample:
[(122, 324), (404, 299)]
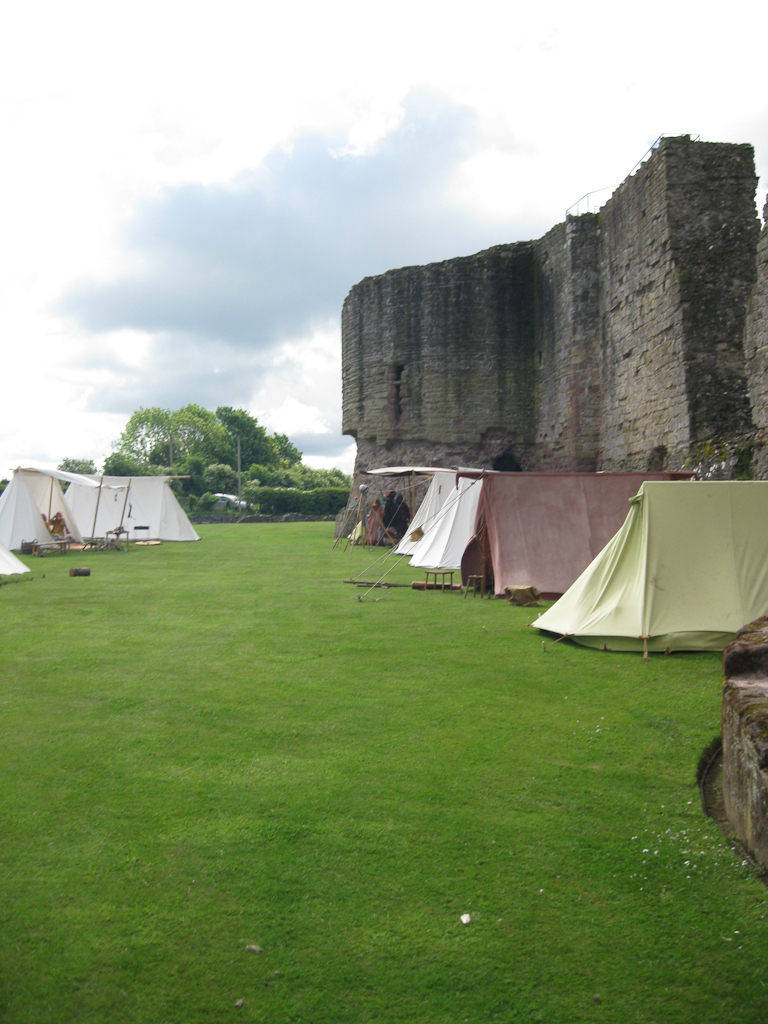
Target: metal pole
[(239, 506)]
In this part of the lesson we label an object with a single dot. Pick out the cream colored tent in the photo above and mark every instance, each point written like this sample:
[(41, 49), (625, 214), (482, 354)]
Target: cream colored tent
[(440, 486), (686, 570), (10, 565), (32, 497), (106, 503)]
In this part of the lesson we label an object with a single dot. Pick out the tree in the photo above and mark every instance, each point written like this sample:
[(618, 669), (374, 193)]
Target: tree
[(255, 446), (84, 466), (146, 437), (118, 464), (198, 433), (192, 467), (283, 450)]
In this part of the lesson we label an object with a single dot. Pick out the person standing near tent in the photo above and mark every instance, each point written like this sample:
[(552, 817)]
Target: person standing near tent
[(390, 510), (375, 523), (402, 515)]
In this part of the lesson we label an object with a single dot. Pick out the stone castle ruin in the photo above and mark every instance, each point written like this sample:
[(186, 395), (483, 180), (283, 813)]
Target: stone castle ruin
[(632, 338)]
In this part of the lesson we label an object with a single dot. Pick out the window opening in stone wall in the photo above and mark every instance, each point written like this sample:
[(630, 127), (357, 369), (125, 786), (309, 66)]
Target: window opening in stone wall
[(395, 404), (657, 458)]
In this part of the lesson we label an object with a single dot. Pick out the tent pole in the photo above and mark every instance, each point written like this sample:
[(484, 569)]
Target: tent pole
[(239, 506), (98, 499), (50, 499), (484, 581), (127, 491), (362, 509)]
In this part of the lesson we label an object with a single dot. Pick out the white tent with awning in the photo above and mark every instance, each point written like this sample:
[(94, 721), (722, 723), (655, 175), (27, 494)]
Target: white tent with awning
[(425, 518), (444, 543), (32, 498), (144, 506)]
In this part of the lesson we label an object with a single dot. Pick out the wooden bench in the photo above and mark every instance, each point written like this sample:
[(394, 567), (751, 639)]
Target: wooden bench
[(442, 573)]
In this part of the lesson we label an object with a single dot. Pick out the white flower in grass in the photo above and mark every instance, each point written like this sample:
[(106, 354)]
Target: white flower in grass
[(465, 919)]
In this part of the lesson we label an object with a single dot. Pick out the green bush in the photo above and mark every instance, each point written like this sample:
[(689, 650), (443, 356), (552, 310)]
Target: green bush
[(206, 502), (278, 501), (220, 478), (302, 478)]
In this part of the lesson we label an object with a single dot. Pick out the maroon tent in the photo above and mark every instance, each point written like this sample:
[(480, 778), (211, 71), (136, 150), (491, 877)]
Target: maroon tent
[(543, 529)]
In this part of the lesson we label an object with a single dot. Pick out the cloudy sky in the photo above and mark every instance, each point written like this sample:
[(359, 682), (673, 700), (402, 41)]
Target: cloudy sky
[(189, 190)]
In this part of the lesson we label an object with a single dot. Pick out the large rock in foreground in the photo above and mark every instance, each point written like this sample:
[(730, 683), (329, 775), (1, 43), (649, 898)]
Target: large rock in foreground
[(745, 737)]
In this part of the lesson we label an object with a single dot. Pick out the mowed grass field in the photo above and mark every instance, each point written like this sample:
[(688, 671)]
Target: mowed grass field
[(208, 746)]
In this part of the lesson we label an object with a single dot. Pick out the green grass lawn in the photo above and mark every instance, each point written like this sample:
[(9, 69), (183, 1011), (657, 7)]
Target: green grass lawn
[(206, 746)]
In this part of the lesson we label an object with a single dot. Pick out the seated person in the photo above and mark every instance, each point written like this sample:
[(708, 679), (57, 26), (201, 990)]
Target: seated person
[(56, 525)]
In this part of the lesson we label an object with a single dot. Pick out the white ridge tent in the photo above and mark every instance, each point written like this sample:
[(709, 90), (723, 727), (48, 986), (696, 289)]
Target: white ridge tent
[(443, 545), (10, 565), (33, 496), (106, 503), (687, 569), (440, 486)]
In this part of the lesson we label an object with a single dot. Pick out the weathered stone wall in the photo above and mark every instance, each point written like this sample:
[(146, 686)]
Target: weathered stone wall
[(567, 359), (613, 342), (756, 351), (645, 412), (713, 233), (745, 737), (677, 239), (441, 358)]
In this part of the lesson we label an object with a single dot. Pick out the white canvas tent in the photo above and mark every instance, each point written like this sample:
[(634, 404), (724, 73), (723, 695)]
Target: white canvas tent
[(10, 565), (443, 544), (686, 570), (106, 503), (32, 497), (425, 518)]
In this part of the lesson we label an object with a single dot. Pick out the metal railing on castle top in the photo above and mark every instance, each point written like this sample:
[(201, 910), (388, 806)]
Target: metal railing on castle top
[(592, 206)]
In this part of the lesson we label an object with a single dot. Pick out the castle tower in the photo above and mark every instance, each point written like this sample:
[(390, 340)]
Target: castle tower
[(614, 342)]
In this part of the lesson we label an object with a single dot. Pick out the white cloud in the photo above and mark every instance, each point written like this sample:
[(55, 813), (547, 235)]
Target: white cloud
[(104, 107)]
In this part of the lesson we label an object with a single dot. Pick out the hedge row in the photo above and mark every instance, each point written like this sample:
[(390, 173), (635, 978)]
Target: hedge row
[(276, 501)]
